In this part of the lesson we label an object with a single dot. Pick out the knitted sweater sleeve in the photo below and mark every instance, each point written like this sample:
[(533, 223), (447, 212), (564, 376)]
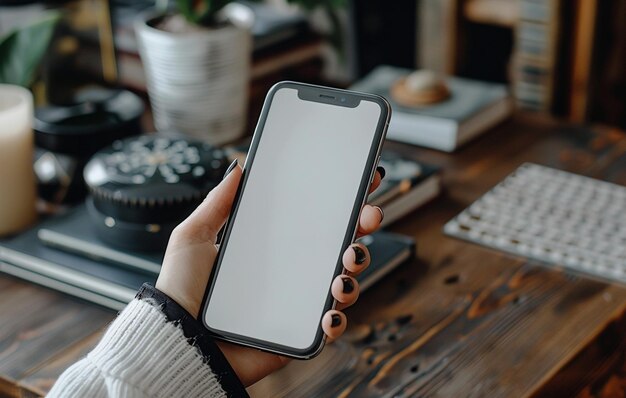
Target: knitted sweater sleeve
[(154, 348)]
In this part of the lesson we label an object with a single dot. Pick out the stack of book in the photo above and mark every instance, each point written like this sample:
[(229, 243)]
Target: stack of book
[(65, 254)]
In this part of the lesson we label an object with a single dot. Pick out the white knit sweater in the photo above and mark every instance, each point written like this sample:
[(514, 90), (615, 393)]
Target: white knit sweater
[(140, 355)]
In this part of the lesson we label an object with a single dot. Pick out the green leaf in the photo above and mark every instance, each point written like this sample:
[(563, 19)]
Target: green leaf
[(21, 50), (201, 12), (186, 7)]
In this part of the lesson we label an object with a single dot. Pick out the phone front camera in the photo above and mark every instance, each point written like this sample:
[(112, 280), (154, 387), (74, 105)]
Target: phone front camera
[(343, 99)]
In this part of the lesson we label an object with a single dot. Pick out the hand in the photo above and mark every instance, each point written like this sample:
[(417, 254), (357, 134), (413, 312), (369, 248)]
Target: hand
[(191, 252)]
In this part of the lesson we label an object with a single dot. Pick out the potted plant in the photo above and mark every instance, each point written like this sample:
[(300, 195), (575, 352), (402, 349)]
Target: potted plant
[(21, 50), (197, 66)]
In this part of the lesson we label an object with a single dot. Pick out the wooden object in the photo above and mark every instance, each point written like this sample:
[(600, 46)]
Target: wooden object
[(437, 35), (607, 94), (436, 91), (460, 320), (583, 57), (17, 180)]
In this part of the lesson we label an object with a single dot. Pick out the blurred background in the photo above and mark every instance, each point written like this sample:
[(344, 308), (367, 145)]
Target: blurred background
[(561, 57)]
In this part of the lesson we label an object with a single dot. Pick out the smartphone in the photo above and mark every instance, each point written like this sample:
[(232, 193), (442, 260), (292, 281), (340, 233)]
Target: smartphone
[(306, 176)]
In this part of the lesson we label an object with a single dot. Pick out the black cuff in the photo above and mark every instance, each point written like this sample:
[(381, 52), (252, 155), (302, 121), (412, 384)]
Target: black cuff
[(198, 336)]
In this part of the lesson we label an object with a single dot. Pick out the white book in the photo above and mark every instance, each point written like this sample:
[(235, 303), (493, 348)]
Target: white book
[(472, 108)]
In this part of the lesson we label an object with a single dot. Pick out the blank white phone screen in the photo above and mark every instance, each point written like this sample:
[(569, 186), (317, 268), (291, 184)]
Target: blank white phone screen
[(293, 215)]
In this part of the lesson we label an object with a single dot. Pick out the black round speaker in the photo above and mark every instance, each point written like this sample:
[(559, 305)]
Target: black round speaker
[(95, 119), (142, 187), (67, 136)]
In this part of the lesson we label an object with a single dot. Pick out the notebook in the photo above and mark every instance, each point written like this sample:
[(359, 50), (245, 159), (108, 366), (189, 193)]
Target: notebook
[(111, 286), (73, 233)]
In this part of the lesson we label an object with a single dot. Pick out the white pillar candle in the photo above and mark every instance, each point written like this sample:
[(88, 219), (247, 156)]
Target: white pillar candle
[(17, 179)]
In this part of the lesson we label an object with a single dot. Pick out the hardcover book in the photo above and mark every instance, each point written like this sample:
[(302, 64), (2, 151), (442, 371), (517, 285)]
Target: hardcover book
[(26, 257), (473, 107), (407, 186)]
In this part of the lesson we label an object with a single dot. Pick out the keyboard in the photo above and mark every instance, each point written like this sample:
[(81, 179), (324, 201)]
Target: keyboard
[(558, 218)]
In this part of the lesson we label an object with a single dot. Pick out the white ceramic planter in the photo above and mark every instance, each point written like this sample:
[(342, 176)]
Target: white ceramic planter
[(197, 81)]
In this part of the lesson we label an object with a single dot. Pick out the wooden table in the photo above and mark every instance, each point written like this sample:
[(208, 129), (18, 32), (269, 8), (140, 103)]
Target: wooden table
[(458, 321)]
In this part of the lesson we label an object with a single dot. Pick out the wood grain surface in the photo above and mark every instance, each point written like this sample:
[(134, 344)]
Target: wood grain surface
[(458, 321), (37, 326)]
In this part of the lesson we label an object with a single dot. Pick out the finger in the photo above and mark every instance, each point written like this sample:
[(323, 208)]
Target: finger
[(371, 217), (378, 177), (334, 324), (356, 258), (208, 218), (345, 290)]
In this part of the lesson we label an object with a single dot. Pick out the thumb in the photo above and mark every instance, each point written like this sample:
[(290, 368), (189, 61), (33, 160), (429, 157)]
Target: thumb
[(208, 218)]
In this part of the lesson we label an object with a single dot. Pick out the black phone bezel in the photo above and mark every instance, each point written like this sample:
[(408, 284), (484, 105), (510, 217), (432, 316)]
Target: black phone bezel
[(330, 96)]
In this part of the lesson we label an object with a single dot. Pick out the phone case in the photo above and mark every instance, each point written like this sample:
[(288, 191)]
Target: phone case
[(318, 94)]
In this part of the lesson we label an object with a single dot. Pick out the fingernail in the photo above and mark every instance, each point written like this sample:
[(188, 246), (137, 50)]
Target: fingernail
[(359, 255), (336, 321), (382, 213), (230, 168), (382, 171), (348, 285)]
